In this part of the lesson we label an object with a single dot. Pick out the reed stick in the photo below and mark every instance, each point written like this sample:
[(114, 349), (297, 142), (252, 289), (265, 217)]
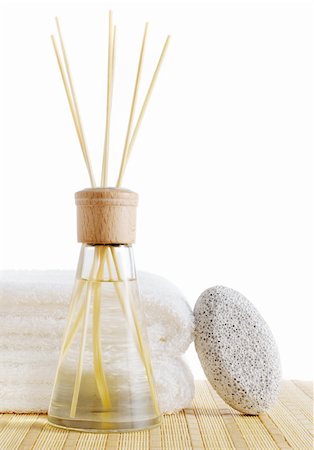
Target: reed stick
[(76, 295), (136, 328), (68, 94), (143, 109), (75, 103), (133, 104), (71, 328), (111, 52), (100, 376), (72, 332), (78, 289), (79, 369)]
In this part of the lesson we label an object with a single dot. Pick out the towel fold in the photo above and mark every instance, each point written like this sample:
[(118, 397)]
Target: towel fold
[(169, 318), (174, 383), (33, 308)]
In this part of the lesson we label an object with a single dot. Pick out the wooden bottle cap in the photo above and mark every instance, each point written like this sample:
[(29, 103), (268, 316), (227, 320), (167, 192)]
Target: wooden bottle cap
[(106, 216)]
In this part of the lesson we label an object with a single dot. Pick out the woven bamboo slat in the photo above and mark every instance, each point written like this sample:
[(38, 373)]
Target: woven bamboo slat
[(208, 424)]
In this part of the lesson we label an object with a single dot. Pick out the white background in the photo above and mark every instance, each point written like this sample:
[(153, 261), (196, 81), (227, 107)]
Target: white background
[(222, 162)]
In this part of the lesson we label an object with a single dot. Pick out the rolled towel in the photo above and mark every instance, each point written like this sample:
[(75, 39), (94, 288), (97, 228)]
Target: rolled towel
[(33, 307), (169, 317)]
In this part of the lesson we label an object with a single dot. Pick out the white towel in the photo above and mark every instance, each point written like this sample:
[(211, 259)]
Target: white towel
[(169, 317), (33, 307)]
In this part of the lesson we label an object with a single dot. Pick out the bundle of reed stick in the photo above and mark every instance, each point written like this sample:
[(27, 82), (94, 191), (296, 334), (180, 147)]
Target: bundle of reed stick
[(105, 256)]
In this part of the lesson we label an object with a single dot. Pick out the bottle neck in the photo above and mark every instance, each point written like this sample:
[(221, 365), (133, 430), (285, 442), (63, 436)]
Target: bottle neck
[(104, 262)]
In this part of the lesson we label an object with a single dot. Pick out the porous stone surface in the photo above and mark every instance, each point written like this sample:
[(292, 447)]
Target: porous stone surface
[(237, 350)]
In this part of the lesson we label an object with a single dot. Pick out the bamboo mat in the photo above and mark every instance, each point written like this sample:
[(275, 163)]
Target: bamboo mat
[(208, 424)]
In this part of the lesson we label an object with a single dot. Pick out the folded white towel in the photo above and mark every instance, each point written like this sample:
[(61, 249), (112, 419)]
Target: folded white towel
[(169, 317), (33, 307)]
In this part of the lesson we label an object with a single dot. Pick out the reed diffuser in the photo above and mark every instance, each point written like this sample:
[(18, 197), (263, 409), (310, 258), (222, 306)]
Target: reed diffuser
[(104, 379)]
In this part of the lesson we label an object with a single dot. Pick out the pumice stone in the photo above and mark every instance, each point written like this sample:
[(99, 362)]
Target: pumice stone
[(237, 350)]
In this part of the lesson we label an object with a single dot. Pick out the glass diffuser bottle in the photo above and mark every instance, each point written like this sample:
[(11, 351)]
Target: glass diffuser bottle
[(104, 379)]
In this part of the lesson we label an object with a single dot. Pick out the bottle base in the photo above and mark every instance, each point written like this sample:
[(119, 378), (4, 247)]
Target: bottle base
[(103, 427)]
